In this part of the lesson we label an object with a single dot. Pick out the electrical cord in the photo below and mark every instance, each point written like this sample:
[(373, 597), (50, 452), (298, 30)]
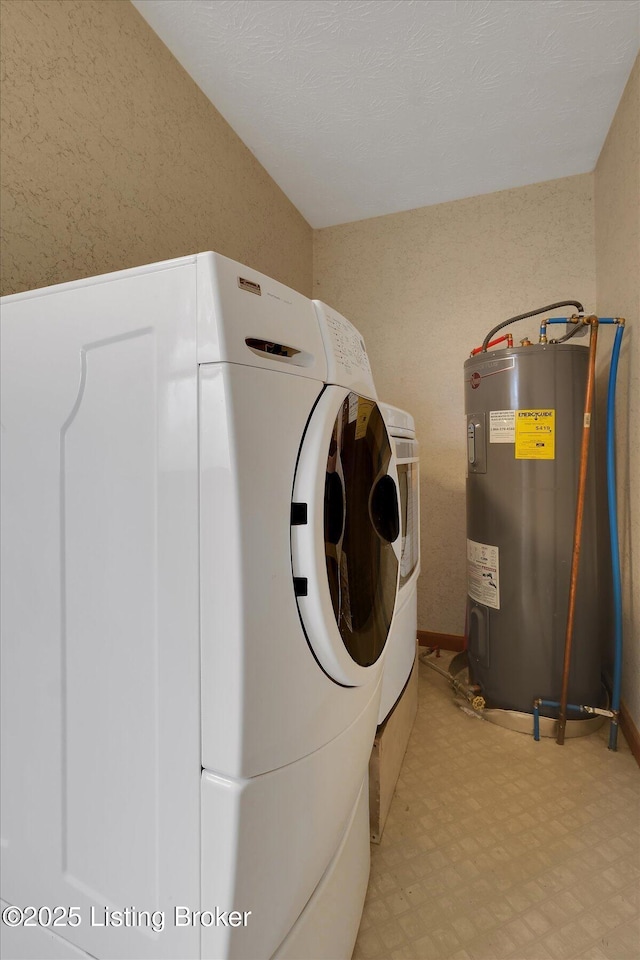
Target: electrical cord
[(574, 329), (531, 313)]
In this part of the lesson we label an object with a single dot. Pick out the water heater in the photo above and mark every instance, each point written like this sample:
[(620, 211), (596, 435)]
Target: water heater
[(524, 421)]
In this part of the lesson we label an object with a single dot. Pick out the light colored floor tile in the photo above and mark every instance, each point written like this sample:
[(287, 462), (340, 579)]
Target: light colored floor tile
[(537, 921), (500, 847), (404, 952), (426, 949), (594, 953), (413, 926), (625, 940), (558, 947)]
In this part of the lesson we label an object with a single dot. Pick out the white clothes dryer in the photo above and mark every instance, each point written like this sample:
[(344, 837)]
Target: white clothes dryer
[(401, 645), (201, 556)]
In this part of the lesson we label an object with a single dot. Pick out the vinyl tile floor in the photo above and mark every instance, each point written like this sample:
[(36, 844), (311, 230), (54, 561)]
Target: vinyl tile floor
[(500, 847)]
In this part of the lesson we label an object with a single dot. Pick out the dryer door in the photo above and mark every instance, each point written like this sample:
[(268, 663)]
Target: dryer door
[(345, 542)]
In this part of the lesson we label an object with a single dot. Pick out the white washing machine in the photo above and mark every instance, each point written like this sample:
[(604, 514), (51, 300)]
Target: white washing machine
[(401, 645), (201, 556)]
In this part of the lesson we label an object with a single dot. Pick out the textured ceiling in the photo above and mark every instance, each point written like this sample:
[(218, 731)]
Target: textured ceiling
[(359, 108)]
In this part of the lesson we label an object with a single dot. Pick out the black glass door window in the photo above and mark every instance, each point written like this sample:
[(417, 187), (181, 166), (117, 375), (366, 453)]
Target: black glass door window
[(361, 521)]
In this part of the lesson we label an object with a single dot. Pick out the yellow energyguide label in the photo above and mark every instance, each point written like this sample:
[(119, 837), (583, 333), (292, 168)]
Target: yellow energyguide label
[(535, 434)]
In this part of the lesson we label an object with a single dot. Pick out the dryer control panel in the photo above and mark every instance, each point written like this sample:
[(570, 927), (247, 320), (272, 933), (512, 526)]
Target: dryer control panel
[(347, 359)]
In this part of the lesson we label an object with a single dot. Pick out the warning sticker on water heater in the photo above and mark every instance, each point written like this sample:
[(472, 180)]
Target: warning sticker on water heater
[(502, 426), (483, 573), (535, 434)]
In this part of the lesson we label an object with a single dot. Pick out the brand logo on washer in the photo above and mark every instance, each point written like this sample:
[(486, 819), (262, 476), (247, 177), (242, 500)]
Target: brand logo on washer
[(250, 286), (475, 380)]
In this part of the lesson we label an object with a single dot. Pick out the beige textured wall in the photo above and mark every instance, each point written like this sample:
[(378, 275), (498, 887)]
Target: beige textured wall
[(424, 287), (113, 157), (617, 218)]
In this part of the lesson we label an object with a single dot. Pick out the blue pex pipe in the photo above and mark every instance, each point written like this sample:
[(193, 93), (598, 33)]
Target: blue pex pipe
[(613, 533), (613, 524), (567, 320), (547, 703)]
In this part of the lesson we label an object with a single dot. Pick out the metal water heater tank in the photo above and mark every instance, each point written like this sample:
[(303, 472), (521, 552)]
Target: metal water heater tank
[(524, 408)]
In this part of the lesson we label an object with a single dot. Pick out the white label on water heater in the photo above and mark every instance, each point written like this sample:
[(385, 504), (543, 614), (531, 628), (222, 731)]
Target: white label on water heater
[(502, 426), (483, 573)]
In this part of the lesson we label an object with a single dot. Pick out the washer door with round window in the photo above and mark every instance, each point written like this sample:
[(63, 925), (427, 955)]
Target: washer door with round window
[(345, 527)]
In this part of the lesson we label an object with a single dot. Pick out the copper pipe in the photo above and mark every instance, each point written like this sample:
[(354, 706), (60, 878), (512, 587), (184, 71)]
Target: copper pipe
[(577, 532)]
